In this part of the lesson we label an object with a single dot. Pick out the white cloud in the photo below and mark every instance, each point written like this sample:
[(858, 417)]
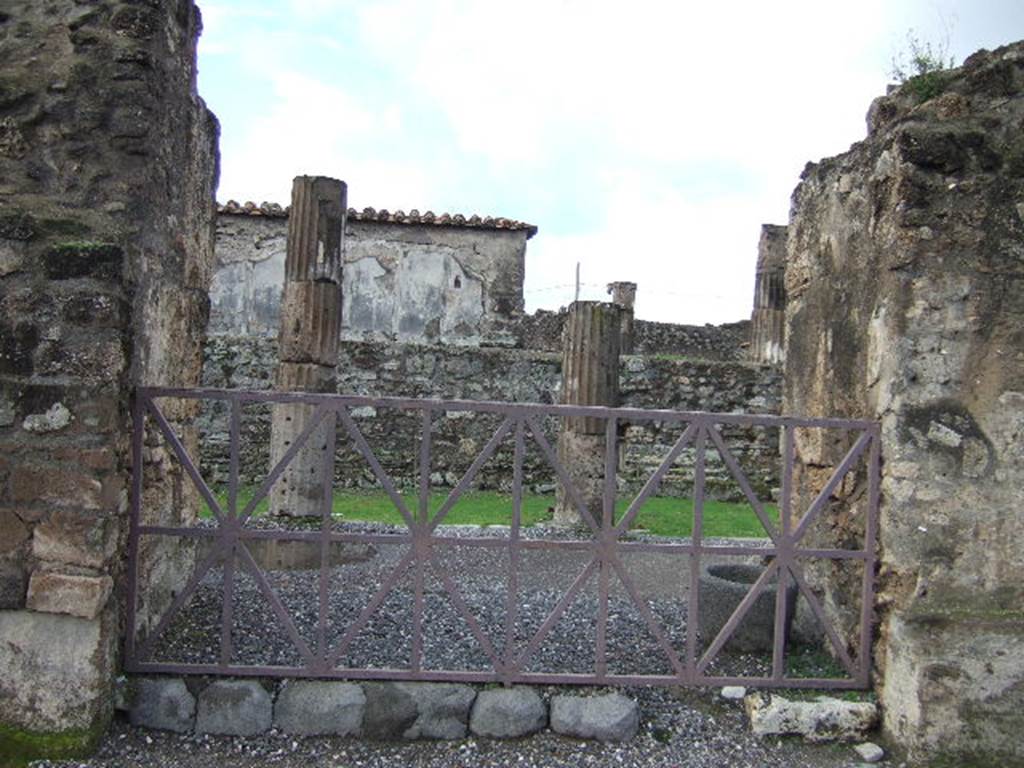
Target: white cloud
[(311, 127), (647, 140)]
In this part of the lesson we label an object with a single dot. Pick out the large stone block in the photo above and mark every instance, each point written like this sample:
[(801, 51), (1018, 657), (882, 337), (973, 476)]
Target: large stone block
[(442, 710), (390, 711), (319, 708), (234, 708), (75, 538), (82, 596), (162, 703), (612, 717), (507, 713), (56, 671)]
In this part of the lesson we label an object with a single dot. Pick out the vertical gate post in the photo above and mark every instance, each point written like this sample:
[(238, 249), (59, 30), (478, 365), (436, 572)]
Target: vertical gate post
[(590, 376), (308, 339)]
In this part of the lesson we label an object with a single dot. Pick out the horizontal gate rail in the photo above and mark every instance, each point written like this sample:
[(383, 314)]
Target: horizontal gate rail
[(229, 537)]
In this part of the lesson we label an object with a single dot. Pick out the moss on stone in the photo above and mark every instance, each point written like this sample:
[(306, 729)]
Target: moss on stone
[(19, 746), (83, 259)]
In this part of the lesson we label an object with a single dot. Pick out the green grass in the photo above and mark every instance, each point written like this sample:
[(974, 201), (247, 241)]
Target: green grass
[(661, 516)]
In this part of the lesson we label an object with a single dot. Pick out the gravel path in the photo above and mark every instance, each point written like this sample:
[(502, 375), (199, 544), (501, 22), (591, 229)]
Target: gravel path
[(481, 575)]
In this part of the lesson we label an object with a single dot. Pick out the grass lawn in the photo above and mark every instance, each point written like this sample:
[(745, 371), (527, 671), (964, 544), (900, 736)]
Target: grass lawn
[(662, 516)]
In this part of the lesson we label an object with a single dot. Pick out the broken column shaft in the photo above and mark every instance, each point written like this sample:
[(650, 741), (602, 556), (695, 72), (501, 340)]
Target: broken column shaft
[(624, 296), (590, 376), (308, 341), (768, 321)]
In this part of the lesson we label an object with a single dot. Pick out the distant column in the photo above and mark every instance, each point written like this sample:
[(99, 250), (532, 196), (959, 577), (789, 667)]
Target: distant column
[(624, 296), (590, 376), (308, 340), (768, 321)]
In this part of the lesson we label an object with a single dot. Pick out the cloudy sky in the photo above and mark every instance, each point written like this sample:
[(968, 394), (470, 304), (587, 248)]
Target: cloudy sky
[(648, 140)]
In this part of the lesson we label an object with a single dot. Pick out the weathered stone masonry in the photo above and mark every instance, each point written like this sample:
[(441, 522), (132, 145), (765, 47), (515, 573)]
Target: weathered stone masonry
[(107, 166), (381, 370), (906, 304)]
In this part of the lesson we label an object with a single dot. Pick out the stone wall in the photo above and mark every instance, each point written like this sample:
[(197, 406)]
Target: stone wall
[(542, 331), (107, 166), (906, 304), (383, 370), (406, 278)]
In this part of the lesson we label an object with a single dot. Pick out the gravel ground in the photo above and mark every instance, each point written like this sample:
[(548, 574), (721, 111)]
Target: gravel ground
[(679, 727), (691, 729), (481, 576)]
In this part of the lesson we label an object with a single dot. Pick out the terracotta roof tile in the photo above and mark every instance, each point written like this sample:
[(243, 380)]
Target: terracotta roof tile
[(273, 210)]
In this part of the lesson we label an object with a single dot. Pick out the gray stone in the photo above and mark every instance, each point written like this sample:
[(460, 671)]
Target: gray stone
[(734, 692), (7, 413), (234, 708), (54, 420), (824, 719), (162, 703), (869, 752), (55, 670), (612, 717), (506, 713), (13, 582), (442, 710), (390, 711), (722, 587), (314, 708)]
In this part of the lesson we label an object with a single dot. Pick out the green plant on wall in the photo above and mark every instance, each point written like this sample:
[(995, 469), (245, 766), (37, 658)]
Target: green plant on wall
[(922, 67)]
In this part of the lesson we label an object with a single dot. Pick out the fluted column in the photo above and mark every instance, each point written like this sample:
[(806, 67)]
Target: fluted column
[(308, 340), (590, 376), (768, 321)]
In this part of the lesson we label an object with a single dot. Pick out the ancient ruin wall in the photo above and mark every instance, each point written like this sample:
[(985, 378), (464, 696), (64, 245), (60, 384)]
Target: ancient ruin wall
[(381, 370), (542, 332), (107, 166), (403, 280), (905, 304)]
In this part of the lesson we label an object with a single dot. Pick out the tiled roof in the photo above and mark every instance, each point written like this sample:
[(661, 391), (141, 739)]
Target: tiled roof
[(273, 210)]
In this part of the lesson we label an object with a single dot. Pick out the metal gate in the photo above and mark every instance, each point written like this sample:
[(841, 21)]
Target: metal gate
[(603, 549)]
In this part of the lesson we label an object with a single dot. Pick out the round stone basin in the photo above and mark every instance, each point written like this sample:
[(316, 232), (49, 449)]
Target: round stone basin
[(722, 587)]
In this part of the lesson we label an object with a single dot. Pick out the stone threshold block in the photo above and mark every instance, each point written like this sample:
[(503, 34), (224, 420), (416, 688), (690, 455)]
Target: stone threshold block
[(612, 717), (442, 710), (234, 708), (164, 704), (507, 713), (319, 708)]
